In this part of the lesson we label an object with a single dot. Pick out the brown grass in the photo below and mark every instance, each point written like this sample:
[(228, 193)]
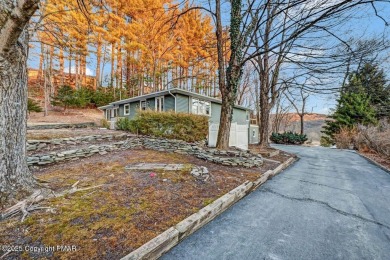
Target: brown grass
[(128, 210), (70, 117), (46, 134)]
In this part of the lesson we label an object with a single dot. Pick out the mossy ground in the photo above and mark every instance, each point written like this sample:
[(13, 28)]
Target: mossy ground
[(129, 209)]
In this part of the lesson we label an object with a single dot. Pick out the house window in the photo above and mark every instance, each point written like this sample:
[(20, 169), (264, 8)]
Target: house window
[(247, 115), (143, 105), (160, 103), (126, 110), (200, 107)]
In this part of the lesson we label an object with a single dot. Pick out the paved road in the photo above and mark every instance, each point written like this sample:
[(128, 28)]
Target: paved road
[(332, 204)]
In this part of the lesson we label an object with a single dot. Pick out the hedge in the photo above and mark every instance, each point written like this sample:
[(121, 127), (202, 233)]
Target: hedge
[(288, 138), (182, 126)]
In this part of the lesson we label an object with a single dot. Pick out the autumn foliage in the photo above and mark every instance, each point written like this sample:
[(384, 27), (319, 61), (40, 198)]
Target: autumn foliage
[(140, 45)]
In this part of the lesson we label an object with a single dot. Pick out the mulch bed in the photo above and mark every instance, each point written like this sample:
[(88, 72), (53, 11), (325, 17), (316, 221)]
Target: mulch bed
[(129, 209)]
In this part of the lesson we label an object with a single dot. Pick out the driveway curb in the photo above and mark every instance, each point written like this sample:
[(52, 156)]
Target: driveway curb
[(374, 162), (162, 243)]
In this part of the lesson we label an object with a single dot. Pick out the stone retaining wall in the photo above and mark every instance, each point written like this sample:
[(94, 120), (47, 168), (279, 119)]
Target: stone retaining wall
[(58, 126), (231, 158), (37, 145)]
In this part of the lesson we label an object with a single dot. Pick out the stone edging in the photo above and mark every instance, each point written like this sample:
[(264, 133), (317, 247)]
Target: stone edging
[(172, 236), (374, 162)]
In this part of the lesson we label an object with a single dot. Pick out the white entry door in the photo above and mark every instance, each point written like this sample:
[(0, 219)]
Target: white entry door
[(213, 135), (238, 135), (233, 135)]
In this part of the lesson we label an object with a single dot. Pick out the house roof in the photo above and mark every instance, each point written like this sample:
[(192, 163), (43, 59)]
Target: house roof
[(167, 92)]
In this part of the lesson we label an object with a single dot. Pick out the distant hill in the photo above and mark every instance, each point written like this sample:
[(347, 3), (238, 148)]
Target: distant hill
[(308, 117), (313, 124)]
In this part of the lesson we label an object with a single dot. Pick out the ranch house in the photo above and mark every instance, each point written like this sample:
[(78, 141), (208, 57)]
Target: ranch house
[(181, 101)]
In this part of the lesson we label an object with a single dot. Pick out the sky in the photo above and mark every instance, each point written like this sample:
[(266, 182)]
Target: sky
[(365, 27)]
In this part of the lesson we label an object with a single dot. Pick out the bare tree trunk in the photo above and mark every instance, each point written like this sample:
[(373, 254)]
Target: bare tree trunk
[(302, 122), (76, 71), (229, 86), (264, 122), (40, 69), (112, 65), (62, 66), (51, 80), (70, 68), (14, 173), (45, 83), (98, 61)]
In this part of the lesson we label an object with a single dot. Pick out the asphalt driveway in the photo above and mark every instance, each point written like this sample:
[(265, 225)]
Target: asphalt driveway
[(332, 204)]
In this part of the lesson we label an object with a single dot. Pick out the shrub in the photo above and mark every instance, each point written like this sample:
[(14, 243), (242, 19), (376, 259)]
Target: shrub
[(65, 97), (374, 138), (288, 138), (33, 106), (345, 138), (124, 124), (105, 95), (82, 97), (326, 141), (183, 126)]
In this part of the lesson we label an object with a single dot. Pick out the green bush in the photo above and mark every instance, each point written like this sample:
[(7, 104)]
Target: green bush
[(326, 141), (288, 138), (65, 97), (182, 126), (82, 97), (33, 106), (124, 124), (105, 95)]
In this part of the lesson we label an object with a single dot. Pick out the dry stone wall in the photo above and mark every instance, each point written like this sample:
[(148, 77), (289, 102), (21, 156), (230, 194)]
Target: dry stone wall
[(58, 126), (230, 158), (39, 145)]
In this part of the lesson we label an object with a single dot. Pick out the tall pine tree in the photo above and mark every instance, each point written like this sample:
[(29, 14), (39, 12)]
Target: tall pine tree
[(371, 81), (352, 109)]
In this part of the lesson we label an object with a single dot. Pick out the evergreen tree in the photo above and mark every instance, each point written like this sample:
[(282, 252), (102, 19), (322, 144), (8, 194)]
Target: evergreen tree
[(65, 97), (33, 106), (371, 81), (352, 109)]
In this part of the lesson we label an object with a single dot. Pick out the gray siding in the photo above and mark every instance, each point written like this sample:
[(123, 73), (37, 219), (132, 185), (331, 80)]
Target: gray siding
[(151, 103), (134, 106), (182, 103), (121, 110), (169, 103), (215, 113), (239, 116)]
